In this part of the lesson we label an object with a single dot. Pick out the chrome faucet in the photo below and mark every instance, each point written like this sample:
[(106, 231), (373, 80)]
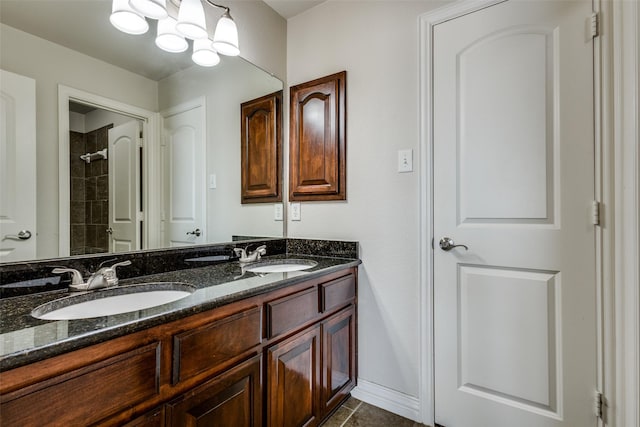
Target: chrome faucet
[(103, 278), (245, 256), (109, 273)]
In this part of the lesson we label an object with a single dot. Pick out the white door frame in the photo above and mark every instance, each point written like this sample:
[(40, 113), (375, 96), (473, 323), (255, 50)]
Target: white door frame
[(619, 164), (617, 82), (150, 163)]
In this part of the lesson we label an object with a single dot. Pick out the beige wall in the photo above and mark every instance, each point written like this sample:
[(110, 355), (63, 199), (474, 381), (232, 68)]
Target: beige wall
[(377, 43)]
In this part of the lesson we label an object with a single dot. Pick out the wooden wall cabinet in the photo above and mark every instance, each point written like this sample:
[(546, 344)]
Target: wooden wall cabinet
[(296, 346), (317, 139), (261, 149)]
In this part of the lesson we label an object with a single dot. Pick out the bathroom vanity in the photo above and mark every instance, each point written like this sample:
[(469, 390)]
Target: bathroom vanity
[(245, 349)]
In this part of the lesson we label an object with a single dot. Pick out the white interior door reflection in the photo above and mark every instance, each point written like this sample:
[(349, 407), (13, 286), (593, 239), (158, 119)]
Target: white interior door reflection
[(125, 216), (184, 159)]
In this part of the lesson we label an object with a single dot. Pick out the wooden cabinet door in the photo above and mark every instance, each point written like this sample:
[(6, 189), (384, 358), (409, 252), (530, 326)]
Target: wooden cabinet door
[(339, 357), (317, 139), (154, 418), (231, 399), (261, 155), (293, 376)]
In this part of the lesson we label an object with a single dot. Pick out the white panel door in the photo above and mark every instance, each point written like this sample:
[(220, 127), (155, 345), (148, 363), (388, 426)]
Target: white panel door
[(17, 167), (184, 177), (124, 187), (515, 314)]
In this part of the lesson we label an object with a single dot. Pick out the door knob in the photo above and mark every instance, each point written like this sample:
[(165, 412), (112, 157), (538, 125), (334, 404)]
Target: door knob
[(22, 235), (447, 243), (195, 232)]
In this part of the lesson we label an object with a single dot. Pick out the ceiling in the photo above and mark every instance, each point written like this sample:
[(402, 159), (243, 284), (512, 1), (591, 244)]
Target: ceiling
[(290, 8)]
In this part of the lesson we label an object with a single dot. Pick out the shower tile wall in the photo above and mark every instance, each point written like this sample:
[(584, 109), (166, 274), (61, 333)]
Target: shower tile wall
[(89, 193)]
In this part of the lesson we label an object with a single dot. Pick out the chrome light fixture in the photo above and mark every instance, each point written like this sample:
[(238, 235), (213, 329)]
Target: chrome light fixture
[(204, 54), (168, 38), (126, 19), (225, 39), (129, 16), (155, 9), (191, 22)]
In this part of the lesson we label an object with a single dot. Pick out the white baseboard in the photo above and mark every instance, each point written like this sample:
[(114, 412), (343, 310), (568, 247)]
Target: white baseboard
[(387, 399)]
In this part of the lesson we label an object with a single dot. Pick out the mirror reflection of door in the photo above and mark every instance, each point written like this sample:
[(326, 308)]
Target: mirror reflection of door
[(102, 173), (17, 167), (124, 181), (184, 155)]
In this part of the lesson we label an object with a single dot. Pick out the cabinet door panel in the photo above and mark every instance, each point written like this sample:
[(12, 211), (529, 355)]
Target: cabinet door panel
[(293, 381), (262, 149), (317, 139), (231, 399), (153, 418), (339, 357)]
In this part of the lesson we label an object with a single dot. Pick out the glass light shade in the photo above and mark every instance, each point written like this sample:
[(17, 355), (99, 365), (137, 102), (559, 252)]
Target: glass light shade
[(191, 21), (155, 9), (127, 20), (168, 38), (225, 39), (203, 53)]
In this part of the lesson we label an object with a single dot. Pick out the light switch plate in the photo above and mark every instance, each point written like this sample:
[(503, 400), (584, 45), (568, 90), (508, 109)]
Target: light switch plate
[(277, 212), (295, 212), (405, 160), (213, 181)]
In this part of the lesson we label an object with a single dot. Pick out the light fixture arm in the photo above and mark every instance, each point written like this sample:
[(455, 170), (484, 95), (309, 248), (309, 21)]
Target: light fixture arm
[(176, 3), (226, 9)]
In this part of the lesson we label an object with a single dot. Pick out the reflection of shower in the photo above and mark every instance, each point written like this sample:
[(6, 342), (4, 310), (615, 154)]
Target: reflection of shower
[(98, 155)]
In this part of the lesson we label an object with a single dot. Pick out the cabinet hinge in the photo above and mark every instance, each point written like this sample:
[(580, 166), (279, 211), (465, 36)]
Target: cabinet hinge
[(595, 213), (595, 24), (140, 216)]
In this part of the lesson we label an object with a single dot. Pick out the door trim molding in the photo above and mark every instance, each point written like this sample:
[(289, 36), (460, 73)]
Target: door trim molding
[(619, 165), (426, 23), (150, 131)]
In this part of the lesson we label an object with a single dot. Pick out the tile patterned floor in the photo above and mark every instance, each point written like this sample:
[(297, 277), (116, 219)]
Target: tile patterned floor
[(354, 413)]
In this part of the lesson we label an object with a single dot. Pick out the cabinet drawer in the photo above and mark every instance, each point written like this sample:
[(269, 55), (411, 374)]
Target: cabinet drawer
[(89, 394), (232, 399), (212, 345), (337, 292), (286, 313)]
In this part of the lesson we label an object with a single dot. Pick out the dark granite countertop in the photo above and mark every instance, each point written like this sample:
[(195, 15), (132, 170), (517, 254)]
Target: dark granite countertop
[(25, 339)]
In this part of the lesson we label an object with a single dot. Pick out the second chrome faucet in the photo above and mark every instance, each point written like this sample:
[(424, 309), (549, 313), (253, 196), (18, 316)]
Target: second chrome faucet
[(245, 256)]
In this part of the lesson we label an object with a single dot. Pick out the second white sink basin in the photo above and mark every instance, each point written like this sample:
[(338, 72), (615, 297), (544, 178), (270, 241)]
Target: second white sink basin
[(280, 266), (112, 301)]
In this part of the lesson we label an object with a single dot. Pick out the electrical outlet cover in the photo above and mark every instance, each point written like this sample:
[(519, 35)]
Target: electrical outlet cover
[(295, 212)]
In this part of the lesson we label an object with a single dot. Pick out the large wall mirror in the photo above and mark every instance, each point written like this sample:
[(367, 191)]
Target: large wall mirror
[(134, 147)]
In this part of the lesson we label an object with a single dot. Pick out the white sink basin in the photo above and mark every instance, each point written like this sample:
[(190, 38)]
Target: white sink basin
[(112, 301), (280, 266)]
